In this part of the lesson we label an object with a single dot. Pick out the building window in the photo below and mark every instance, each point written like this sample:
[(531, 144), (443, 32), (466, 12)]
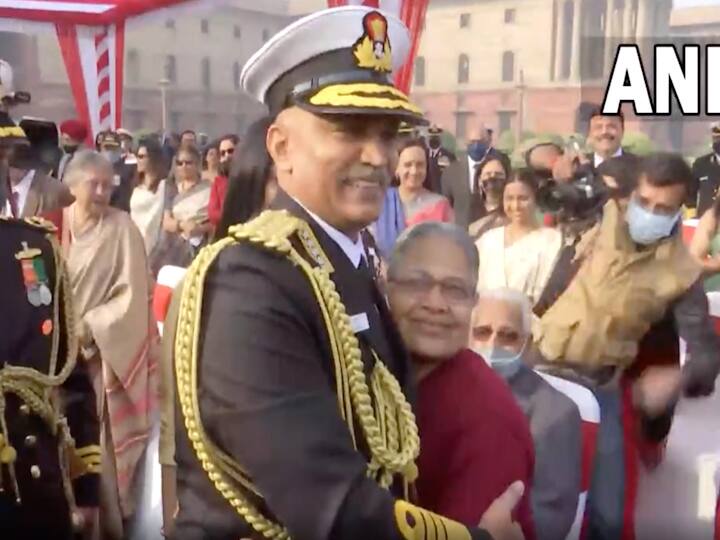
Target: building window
[(237, 31), (505, 119), (464, 20), (170, 68), (170, 24), (420, 71), (132, 69), (463, 68), (568, 15), (508, 66), (461, 122), (236, 75), (204, 26), (510, 16), (205, 73), (265, 35)]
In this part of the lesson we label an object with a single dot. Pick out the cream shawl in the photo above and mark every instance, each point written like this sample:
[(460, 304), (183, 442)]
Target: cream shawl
[(111, 285)]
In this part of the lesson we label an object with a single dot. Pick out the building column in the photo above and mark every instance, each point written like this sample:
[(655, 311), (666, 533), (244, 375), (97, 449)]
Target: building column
[(610, 31), (643, 24), (560, 51), (628, 34), (576, 41)]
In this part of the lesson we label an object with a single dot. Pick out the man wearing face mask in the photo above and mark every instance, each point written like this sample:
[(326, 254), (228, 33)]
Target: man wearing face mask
[(706, 171), (458, 180), (109, 143), (610, 325), (500, 333), (440, 158), (226, 150)]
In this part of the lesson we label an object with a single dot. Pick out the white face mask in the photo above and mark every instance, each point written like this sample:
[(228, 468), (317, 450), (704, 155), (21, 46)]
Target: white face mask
[(505, 362)]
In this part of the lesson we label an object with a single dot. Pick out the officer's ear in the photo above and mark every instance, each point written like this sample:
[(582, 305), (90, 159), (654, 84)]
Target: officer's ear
[(276, 140)]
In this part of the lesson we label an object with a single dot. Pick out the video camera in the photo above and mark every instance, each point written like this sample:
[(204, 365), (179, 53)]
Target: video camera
[(577, 199)]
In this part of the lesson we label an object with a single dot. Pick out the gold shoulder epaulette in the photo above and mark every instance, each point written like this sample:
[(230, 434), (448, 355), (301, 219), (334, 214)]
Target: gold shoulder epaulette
[(274, 229), (41, 223)]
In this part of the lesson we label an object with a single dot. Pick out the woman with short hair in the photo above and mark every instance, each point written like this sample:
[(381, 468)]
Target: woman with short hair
[(107, 267)]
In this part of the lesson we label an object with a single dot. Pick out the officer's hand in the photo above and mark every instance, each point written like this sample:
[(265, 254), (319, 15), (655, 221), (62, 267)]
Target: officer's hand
[(657, 389), (83, 518), (498, 520)]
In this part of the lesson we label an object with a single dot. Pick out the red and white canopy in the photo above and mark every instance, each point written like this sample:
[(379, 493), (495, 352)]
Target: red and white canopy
[(91, 34)]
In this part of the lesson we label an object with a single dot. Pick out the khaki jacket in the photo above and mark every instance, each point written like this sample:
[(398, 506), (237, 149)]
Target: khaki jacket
[(618, 293)]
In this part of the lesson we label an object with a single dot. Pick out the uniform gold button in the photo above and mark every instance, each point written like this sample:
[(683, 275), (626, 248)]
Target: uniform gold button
[(25, 409), (30, 441), (35, 472)]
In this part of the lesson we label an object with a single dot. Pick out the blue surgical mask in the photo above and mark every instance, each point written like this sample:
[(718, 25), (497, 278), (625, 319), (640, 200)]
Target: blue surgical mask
[(506, 363), (477, 150), (112, 156), (646, 227)]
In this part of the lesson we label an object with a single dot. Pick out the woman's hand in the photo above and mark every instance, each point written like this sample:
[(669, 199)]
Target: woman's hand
[(170, 224), (189, 228)]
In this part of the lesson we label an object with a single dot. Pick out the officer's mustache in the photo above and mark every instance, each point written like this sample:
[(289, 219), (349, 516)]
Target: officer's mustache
[(367, 173)]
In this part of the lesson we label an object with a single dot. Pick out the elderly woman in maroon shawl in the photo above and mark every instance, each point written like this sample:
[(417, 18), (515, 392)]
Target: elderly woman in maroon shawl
[(475, 441)]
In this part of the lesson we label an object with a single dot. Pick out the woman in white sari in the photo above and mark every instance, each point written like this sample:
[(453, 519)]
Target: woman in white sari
[(148, 197), (108, 272), (520, 255), (186, 227)]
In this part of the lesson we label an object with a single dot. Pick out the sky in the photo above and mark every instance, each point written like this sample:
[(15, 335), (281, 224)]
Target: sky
[(689, 3)]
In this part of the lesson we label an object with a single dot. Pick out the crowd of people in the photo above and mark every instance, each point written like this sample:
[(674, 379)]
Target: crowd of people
[(364, 306)]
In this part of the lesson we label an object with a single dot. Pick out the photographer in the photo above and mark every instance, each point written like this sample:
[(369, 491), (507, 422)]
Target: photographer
[(607, 316)]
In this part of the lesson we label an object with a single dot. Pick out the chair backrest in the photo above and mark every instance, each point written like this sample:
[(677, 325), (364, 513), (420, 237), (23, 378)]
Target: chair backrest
[(168, 278), (589, 409), (714, 303), (688, 230)]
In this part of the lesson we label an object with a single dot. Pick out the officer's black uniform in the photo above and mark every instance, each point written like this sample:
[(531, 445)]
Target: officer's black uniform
[(706, 171), (266, 438), (42, 469)]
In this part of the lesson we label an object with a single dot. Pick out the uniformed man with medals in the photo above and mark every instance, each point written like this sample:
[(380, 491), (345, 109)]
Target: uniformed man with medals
[(294, 389), (49, 453)]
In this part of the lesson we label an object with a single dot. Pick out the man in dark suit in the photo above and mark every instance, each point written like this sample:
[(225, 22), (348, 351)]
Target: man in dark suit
[(706, 171), (109, 143), (49, 453), (287, 361), (440, 159), (458, 180)]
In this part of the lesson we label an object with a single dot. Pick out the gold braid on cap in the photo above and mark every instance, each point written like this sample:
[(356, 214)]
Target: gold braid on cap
[(387, 421)]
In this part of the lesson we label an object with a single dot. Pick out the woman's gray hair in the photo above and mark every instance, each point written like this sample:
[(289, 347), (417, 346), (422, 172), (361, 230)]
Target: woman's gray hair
[(512, 297), (83, 161), (435, 228)]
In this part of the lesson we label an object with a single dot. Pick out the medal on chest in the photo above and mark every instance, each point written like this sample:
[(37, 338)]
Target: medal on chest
[(34, 276)]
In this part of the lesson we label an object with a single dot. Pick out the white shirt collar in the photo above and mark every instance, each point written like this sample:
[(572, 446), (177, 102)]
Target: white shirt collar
[(599, 159), (355, 251), (22, 189), (471, 173)]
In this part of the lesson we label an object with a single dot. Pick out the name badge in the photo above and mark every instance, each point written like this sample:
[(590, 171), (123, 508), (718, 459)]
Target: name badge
[(116, 180), (359, 323), (704, 178)]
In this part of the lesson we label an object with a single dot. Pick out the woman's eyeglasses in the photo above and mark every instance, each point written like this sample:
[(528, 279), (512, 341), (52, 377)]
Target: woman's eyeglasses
[(453, 291), (186, 163)]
